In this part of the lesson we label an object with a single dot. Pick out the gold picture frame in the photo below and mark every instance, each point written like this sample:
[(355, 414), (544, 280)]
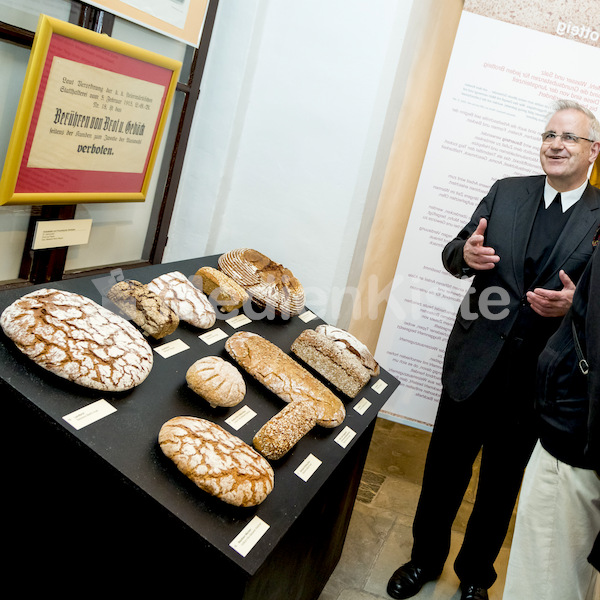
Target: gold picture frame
[(89, 121)]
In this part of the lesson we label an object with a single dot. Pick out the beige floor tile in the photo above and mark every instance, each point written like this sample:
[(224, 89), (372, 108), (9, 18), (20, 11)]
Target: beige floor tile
[(380, 532)]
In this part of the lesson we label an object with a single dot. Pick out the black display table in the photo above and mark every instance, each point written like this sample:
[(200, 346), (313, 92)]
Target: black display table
[(102, 509)]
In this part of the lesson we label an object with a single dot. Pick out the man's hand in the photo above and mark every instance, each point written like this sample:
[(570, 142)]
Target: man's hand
[(553, 303), (475, 254)]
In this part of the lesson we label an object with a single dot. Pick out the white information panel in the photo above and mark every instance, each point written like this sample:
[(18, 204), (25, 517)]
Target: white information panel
[(499, 87)]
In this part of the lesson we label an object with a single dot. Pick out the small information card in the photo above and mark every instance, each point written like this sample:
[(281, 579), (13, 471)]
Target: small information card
[(249, 536), (171, 348), (307, 467), (240, 418), (89, 414), (210, 337)]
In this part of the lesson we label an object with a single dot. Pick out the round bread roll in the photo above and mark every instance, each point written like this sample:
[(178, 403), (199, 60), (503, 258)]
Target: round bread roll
[(145, 308), (79, 340), (222, 289), (217, 381), (217, 461)]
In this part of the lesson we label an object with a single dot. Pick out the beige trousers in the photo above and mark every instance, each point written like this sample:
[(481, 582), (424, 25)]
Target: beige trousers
[(558, 518)]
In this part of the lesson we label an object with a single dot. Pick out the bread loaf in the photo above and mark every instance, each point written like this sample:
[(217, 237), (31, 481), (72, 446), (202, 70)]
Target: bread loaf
[(222, 289), (144, 308), (79, 340), (283, 431), (217, 461), (217, 381), (284, 376), (336, 364), (184, 299), (269, 284), (346, 340)]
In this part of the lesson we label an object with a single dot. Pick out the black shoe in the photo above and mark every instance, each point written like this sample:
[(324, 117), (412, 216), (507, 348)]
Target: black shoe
[(408, 580), (473, 592)]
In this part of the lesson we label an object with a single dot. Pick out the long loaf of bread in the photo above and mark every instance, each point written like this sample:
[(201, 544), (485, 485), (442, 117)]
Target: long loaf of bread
[(284, 376), (284, 430)]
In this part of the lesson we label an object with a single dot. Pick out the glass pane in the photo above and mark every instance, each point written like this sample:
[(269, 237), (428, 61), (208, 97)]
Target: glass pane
[(14, 220), (119, 230)]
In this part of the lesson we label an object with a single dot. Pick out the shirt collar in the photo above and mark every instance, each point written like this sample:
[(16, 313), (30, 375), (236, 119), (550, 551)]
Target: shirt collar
[(567, 199)]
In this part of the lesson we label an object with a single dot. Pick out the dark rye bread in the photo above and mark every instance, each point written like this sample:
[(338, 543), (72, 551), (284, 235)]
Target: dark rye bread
[(336, 364), (145, 308), (79, 340)]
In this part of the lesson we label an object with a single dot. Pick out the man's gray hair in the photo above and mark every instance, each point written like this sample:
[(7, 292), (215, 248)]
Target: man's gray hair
[(563, 104)]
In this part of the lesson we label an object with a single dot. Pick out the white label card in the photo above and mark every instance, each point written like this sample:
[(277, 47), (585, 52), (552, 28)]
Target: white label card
[(307, 316), (240, 418), (89, 414), (345, 437), (308, 466), (379, 386), (238, 321), (249, 536), (171, 348), (56, 234), (362, 406), (210, 337)]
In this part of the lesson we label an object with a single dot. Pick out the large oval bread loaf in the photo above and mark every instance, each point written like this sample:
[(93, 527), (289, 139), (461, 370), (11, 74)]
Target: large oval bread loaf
[(79, 340), (217, 461), (145, 308), (284, 376), (217, 381), (184, 299), (269, 284)]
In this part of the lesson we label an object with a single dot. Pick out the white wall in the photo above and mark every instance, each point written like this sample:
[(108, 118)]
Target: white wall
[(291, 136)]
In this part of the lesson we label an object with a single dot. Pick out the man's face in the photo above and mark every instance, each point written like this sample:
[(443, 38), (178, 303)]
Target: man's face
[(567, 165)]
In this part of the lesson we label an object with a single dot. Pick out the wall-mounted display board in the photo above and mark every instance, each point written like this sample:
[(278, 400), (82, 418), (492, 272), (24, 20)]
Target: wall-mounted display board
[(107, 508), (90, 119), (180, 19), (510, 61)]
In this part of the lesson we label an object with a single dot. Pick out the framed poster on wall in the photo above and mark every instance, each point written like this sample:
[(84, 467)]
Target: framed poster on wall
[(90, 118)]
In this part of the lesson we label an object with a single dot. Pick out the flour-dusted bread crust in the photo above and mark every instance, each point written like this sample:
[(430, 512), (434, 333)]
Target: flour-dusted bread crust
[(145, 308), (284, 430), (222, 289), (217, 461), (284, 376), (217, 381), (77, 339), (346, 340), (184, 299), (269, 284), (336, 364)]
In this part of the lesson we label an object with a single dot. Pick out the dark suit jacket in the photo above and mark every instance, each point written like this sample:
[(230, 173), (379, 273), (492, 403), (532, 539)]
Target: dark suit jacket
[(510, 208)]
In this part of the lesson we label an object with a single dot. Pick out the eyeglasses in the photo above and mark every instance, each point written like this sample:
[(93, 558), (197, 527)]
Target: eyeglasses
[(569, 139)]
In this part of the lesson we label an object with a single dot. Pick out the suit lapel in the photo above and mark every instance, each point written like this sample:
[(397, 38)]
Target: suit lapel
[(580, 223), (526, 206)]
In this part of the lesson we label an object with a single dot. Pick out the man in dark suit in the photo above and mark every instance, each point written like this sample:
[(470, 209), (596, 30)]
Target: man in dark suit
[(526, 250)]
